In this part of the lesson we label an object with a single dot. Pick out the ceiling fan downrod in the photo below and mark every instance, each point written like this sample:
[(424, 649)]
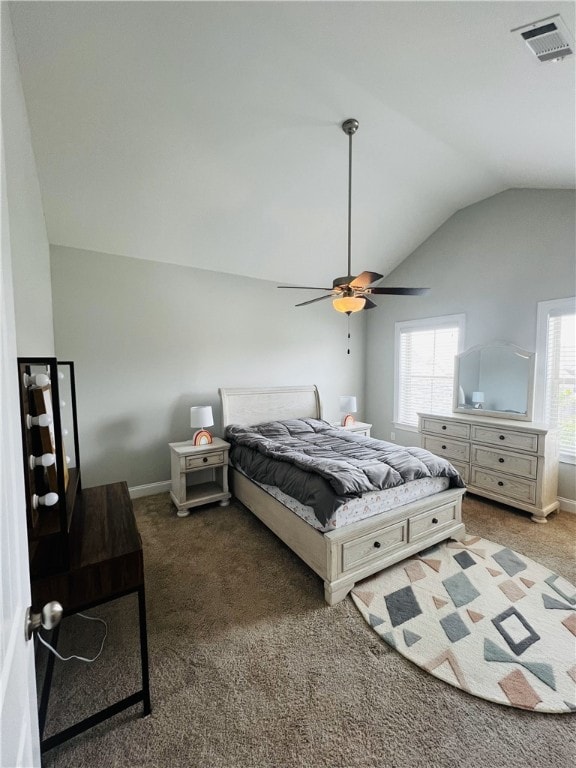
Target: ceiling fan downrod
[(350, 127), (351, 293)]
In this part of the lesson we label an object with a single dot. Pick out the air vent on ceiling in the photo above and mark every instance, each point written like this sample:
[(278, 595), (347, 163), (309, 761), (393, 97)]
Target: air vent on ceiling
[(549, 39)]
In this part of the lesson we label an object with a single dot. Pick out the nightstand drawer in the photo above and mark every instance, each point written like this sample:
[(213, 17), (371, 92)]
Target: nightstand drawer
[(504, 485), (506, 438), (422, 526), (511, 463), (367, 548), (449, 449), (210, 460), (448, 428)]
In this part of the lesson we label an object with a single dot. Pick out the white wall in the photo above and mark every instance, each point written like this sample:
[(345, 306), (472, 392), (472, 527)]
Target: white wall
[(28, 239), (151, 339), (493, 261)]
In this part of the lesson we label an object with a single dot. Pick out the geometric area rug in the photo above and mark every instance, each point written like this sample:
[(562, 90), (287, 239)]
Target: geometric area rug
[(484, 619)]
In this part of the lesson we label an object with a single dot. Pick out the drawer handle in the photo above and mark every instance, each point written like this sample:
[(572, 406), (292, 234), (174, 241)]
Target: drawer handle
[(443, 447), (444, 426), (434, 520), (205, 459), (502, 437), (377, 544), (500, 483), (501, 461)]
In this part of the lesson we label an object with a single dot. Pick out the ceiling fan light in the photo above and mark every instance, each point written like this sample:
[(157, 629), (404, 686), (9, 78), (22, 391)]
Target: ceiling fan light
[(349, 304)]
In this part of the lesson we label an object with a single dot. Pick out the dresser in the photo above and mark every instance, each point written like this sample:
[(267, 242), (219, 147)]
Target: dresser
[(513, 462)]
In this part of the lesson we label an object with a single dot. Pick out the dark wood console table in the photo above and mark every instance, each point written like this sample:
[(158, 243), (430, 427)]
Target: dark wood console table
[(106, 563)]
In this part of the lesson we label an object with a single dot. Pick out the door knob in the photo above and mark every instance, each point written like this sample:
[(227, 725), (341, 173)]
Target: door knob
[(48, 618)]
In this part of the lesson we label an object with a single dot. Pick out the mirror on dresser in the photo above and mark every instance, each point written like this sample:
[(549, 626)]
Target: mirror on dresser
[(495, 379)]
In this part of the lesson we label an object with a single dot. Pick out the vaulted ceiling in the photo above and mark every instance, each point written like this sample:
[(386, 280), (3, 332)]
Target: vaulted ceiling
[(208, 133)]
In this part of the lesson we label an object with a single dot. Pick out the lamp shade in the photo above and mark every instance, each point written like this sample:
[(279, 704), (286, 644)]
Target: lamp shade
[(201, 416), (477, 397), (348, 404)]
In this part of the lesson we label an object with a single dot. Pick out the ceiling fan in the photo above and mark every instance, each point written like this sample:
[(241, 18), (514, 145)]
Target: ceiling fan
[(351, 293)]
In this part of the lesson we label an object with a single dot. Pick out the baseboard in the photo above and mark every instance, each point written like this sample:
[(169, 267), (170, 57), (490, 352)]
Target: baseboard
[(151, 489), (567, 505)]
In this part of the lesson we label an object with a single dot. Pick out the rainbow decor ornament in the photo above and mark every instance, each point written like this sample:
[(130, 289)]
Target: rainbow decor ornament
[(201, 437), (348, 420)]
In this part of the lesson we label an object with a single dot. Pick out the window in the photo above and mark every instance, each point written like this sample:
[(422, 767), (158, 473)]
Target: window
[(556, 374), (424, 375)]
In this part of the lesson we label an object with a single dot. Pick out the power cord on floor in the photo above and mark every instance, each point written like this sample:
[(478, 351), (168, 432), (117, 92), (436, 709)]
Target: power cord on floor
[(79, 658)]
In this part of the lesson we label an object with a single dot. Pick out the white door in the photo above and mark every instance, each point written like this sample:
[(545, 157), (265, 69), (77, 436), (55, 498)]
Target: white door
[(19, 740)]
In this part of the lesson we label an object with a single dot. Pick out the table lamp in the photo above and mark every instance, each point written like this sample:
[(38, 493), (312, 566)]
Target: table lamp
[(348, 407), (477, 399), (201, 417)]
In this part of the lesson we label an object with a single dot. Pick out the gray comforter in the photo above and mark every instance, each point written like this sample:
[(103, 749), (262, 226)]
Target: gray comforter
[(323, 466)]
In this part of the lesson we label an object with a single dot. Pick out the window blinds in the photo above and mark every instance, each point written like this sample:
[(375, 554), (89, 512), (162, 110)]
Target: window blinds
[(426, 371), (560, 385)]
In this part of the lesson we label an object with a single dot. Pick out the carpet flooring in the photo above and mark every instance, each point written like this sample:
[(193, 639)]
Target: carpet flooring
[(251, 669)]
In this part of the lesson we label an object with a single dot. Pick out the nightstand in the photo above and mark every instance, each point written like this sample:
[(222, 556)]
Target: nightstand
[(187, 459), (360, 427)]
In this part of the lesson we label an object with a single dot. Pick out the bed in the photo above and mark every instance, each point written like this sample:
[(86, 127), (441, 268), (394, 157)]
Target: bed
[(347, 554)]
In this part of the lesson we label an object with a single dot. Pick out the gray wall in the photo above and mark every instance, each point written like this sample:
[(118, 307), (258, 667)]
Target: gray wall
[(28, 239), (492, 261), (151, 339)]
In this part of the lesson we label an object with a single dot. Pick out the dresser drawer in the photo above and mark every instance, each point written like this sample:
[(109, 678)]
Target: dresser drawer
[(211, 459), (355, 553), (462, 469), (506, 438), (448, 428), (504, 461), (449, 449), (504, 485), (421, 526)]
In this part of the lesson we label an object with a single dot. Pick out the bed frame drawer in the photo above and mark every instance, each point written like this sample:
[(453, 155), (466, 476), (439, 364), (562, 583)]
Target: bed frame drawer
[(373, 546), (421, 526)]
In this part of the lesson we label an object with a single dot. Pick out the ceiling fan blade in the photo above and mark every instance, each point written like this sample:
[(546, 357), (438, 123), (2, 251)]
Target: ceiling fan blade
[(319, 298), (398, 291), (365, 279), (304, 287), (369, 304)]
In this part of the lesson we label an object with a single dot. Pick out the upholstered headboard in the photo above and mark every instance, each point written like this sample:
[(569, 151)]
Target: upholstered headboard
[(256, 405)]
